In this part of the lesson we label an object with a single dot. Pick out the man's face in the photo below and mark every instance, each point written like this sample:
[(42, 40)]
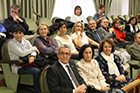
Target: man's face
[(105, 23), (14, 12), (64, 55), (92, 25), (137, 40)]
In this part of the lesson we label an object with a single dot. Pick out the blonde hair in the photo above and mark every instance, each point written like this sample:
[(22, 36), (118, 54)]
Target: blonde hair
[(42, 25), (73, 29)]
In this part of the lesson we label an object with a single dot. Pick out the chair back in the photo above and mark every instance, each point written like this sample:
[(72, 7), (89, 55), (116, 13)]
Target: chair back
[(32, 25), (89, 18), (126, 17), (44, 20), (68, 18)]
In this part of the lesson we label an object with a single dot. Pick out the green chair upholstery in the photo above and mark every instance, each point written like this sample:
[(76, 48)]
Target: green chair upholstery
[(126, 17), (134, 65), (110, 19), (120, 16), (113, 17), (53, 20), (32, 25), (89, 18), (12, 80), (131, 15), (44, 20), (4, 89), (43, 81), (68, 18)]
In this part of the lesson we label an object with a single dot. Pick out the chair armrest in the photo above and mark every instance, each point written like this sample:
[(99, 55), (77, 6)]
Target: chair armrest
[(41, 79), (131, 85), (17, 62)]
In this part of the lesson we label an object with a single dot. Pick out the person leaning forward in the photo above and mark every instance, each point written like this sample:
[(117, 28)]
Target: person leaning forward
[(62, 76)]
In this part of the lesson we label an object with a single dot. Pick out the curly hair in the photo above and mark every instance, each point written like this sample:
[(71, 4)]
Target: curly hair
[(108, 41)]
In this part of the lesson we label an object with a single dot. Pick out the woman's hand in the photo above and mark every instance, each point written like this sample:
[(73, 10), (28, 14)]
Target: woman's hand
[(79, 34), (105, 89), (31, 59), (38, 52), (121, 78)]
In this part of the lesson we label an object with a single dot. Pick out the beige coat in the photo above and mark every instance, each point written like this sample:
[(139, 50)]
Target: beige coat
[(91, 74)]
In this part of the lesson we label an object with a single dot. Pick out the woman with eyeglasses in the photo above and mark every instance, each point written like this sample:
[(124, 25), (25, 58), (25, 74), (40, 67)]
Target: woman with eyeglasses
[(120, 34), (79, 37)]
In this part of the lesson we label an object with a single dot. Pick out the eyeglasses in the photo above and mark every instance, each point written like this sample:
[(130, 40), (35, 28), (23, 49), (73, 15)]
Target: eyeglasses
[(105, 22), (14, 12), (62, 53)]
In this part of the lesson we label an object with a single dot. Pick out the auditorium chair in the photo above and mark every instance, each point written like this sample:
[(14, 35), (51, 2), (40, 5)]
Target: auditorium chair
[(11, 79), (110, 20), (134, 65), (43, 81), (53, 20), (126, 17), (113, 17), (68, 18), (44, 20), (32, 25), (89, 18)]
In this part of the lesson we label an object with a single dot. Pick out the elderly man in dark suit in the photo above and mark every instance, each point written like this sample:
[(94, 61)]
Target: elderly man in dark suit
[(62, 76), (135, 47), (92, 33)]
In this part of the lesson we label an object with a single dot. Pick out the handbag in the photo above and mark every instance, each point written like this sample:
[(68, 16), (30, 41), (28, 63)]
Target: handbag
[(39, 62)]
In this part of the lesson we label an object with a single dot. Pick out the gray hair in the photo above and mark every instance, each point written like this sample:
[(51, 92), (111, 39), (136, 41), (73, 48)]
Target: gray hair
[(15, 6), (65, 46), (136, 35)]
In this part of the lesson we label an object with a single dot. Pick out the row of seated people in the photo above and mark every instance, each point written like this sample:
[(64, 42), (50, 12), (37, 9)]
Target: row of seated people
[(42, 43), (20, 47)]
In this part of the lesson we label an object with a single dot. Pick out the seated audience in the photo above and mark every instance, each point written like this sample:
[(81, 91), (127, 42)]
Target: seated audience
[(78, 16), (93, 33), (89, 70), (106, 31), (45, 44), (110, 65), (132, 28), (14, 19), (19, 47), (62, 76), (135, 47), (66, 39), (99, 16), (120, 35), (79, 37)]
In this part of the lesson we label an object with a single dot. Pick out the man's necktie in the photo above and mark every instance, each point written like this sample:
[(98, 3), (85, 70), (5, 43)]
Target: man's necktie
[(97, 36), (72, 76)]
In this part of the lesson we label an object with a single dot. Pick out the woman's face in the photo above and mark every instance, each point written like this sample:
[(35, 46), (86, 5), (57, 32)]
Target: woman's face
[(117, 24), (18, 36), (107, 48), (133, 21), (63, 29), (78, 11), (87, 54), (78, 27), (43, 31), (102, 10)]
